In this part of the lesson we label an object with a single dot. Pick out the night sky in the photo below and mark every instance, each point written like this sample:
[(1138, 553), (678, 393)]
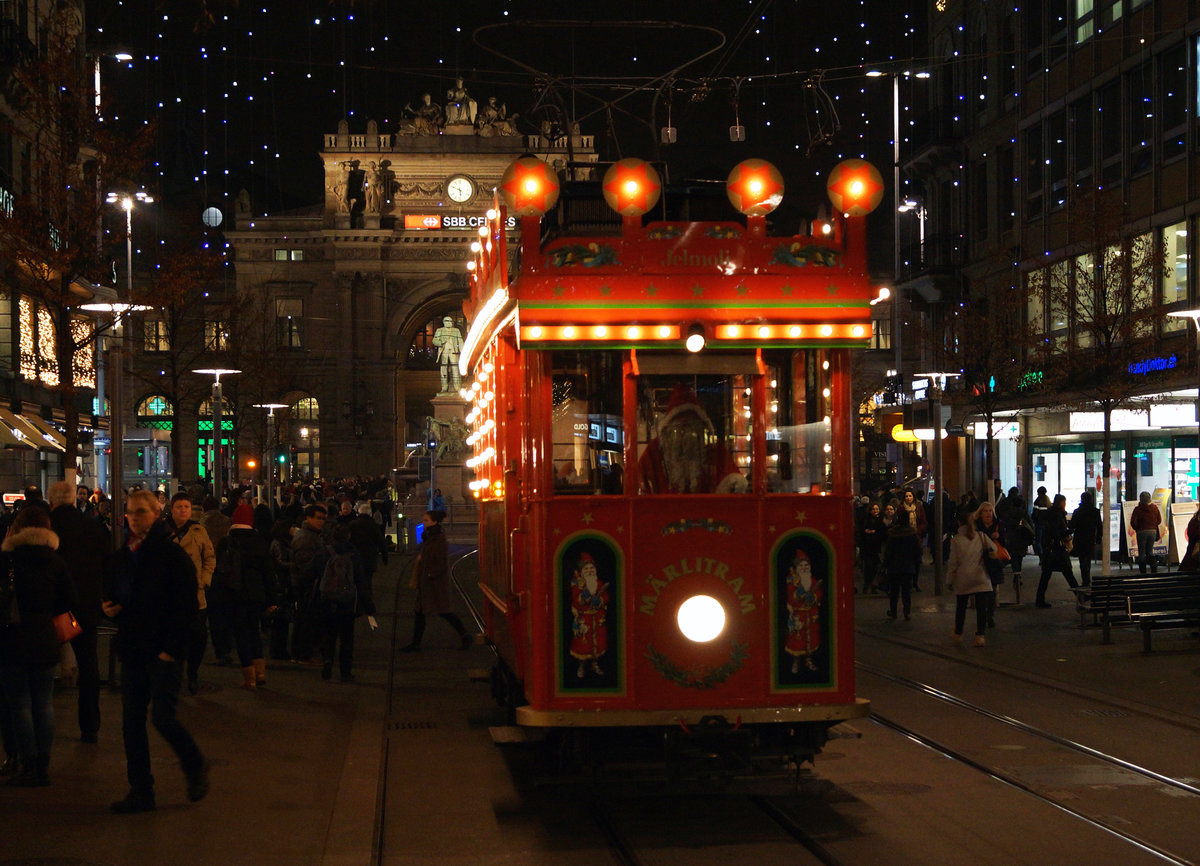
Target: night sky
[(242, 92)]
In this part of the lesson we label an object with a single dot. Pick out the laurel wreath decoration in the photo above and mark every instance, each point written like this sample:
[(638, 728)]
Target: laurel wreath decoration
[(701, 677), (708, 524)]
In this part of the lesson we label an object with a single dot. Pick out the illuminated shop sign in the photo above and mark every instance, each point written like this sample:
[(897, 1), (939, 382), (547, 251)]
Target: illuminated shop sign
[(450, 222), (1152, 365)]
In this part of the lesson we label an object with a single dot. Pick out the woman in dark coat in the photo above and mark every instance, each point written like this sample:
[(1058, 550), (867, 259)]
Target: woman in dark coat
[(1086, 528), (871, 544), (37, 577), (900, 557), (1055, 556), (433, 583)]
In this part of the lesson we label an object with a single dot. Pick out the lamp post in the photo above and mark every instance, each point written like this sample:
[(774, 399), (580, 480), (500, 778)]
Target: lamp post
[(897, 344), (269, 452), (937, 386), (215, 464)]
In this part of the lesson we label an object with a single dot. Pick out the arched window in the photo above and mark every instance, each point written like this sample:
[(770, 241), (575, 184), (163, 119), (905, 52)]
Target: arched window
[(305, 409), (155, 412)]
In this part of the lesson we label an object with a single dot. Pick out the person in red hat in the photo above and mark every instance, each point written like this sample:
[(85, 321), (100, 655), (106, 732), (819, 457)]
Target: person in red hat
[(589, 616), (243, 587), (686, 456)]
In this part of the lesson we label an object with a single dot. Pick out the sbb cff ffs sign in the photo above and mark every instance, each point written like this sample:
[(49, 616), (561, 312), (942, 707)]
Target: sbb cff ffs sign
[(451, 222)]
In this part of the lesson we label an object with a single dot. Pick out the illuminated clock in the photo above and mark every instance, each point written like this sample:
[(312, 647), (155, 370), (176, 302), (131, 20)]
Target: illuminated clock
[(460, 189)]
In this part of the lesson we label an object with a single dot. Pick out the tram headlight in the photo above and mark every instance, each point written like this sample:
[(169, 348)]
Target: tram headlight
[(701, 618), (695, 338)]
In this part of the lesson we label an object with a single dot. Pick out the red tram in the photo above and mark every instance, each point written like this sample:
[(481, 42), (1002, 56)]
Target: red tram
[(661, 426)]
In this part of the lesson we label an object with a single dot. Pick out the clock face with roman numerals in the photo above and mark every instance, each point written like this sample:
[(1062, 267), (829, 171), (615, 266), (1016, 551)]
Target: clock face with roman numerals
[(460, 189)]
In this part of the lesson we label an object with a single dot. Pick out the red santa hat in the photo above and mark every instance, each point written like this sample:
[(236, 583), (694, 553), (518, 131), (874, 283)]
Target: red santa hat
[(800, 557), (585, 558), (684, 400)]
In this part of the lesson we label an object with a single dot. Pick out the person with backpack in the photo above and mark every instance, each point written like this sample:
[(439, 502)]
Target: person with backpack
[(433, 583), (197, 544), (243, 587), (308, 540), (342, 594)]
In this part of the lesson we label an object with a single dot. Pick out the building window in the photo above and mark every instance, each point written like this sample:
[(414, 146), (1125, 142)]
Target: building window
[(38, 355), (305, 409), (1082, 146), (155, 412), (1173, 101), (1034, 173), (288, 315), (1175, 273), (1109, 110), (1141, 120), (216, 336), (289, 255), (156, 337), (1056, 159), (1084, 286), (1085, 21), (1111, 12), (1035, 301), (1059, 20)]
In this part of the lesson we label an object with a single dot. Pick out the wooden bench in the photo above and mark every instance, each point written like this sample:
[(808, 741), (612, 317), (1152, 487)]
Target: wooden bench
[(1151, 601)]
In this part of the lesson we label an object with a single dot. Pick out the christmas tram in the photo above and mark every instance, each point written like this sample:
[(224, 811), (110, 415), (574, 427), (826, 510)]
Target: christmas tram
[(661, 426)]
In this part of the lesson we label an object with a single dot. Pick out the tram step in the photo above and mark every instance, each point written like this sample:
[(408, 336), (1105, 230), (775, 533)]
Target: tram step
[(844, 731)]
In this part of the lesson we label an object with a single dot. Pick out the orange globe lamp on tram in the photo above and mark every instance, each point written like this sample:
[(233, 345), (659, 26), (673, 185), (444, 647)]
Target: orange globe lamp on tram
[(661, 426)]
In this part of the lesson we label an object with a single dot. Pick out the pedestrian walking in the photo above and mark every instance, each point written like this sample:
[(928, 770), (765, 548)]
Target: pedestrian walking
[(83, 543), (433, 583), (1056, 547), (343, 594), (34, 587), (307, 542), (987, 524), (243, 589), (967, 575), (871, 546), (150, 590)]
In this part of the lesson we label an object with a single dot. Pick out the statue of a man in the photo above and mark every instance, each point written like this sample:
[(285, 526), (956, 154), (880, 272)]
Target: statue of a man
[(448, 341), (460, 107)]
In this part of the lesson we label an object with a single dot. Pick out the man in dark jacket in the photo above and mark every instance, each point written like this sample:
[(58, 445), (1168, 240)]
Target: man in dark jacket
[(1086, 527), (150, 590), (83, 544)]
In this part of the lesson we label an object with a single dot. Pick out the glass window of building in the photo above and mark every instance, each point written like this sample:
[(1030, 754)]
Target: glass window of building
[(1085, 21), (156, 337), (1140, 92), (154, 405), (1150, 467), (1175, 273), (1185, 465), (289, 313), (1082, 146), (1035, 300), (1108, 108), (1142, 275), (1056, 159), (1084, 275), (1059, 21), (216, 336), (1111, 12), (1173, 101), (281, 255), (1045, 469), (1034, 172), (305, 409)]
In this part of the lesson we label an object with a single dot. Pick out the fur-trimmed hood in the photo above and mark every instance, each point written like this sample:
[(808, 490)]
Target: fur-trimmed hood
[(30, 535)]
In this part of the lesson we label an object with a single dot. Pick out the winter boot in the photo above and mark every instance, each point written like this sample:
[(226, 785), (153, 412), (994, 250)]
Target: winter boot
[(260, 672), (248, 678), (28, 775), (418, 632)]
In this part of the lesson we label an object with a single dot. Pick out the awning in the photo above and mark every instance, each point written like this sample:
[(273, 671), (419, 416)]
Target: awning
[(29, 434), (49, 433), (9, 439)]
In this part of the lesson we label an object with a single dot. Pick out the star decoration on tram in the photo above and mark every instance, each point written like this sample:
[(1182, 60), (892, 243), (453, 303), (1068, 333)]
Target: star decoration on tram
[(786, 289), (801, 516), (531, 185), (559, 290), (587, 518), (742, 289), (606, 290), (753, 186), (633, 186), (652, 290), (697, 290)]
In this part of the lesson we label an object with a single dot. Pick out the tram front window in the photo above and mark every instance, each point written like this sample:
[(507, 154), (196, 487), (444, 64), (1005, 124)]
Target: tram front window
[(588, 441), (694, 432), (798, 402)]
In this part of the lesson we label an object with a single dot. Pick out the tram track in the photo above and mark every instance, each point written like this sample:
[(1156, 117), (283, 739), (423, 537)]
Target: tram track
[(971, 756)]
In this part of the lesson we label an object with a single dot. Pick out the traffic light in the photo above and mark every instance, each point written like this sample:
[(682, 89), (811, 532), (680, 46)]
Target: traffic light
[(282, 458)]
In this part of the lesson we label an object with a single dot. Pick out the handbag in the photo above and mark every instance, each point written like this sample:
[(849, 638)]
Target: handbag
[(66, 626), (1001, 552), (1068, 544)]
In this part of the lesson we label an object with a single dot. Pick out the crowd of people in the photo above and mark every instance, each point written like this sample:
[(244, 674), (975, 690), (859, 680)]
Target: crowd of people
[(190, 573), (983, 542)]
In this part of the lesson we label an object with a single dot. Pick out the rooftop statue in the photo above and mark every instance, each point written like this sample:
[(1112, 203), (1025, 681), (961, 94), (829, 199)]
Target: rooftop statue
[(425, 119)]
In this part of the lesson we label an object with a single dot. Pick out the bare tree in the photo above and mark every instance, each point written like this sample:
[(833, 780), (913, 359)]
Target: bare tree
[(1101, 309), (188, 329)]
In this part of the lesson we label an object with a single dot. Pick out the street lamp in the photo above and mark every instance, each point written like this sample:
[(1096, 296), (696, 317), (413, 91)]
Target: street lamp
[(269, 453), (896, 75), (938, 385), (217, 408)]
